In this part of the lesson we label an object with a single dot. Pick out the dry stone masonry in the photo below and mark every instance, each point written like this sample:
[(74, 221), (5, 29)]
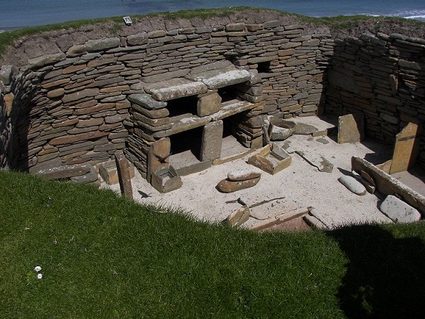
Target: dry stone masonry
[(78, 99)]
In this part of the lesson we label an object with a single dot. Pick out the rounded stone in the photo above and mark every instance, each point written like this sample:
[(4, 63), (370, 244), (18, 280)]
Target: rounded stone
[(352, 184)]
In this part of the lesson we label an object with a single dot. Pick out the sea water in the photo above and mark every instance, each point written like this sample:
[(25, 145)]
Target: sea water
[(21, 13)]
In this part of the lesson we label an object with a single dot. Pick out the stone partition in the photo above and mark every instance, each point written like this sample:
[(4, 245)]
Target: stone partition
[(87, 99), (382, 77)]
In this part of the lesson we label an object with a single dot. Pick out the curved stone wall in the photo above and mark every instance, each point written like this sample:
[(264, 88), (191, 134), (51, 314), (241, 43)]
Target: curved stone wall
[(71, 107)]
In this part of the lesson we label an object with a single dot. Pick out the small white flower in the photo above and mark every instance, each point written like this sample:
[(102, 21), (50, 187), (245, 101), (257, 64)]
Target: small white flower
[(39, 276), (37, 269)]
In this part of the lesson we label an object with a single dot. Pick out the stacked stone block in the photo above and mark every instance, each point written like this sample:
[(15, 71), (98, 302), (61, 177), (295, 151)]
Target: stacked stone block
[(383, 78)]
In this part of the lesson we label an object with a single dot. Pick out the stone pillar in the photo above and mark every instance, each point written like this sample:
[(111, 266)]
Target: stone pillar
[(212, 139), (158, 156)]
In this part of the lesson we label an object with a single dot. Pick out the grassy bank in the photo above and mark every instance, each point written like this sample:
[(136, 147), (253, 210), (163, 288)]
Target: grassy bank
[(115, 23), (105, 257)]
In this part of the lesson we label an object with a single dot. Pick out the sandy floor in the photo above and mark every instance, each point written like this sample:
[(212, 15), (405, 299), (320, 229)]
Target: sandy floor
[(301, 185)]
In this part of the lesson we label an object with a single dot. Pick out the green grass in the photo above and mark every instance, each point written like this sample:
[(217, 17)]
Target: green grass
[(106, 257)]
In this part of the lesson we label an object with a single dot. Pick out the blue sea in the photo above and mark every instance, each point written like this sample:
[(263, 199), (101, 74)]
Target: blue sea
[(21, 13)]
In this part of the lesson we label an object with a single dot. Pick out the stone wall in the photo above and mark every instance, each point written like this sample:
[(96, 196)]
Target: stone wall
[(382, 77), (72, 107)]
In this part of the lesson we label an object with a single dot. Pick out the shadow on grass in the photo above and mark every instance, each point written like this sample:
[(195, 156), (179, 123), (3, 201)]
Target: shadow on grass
[(385, 275)]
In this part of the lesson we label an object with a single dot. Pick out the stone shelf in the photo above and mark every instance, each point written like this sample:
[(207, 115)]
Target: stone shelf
[(217, 79), (175, 89), (186, 122), (232, 107)]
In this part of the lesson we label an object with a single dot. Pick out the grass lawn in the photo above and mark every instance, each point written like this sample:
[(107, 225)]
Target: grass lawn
[(106, 257)]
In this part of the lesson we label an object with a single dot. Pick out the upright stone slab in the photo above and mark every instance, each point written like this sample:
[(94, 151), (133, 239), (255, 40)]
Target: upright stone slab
[(350, 129), (212, 138), (208, 103), (404, 155), (124, 175)]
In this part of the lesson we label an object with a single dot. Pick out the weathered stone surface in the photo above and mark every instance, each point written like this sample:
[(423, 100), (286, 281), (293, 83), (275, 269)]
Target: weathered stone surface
[(6, 73), (80, 95), (238, 217), (399, 211), (281, 131), (137, 39), (147, 101), (124, 176), (317, 160), (269, 162), (242, 174), (226, 186), (44, 60), (69, 139), (389, 185), (350, 129), (162, 148), (94, 45), (175, 88), (53, 94), (88, 178), (304, 129), (404, 155), (217, 79), (212, 137), (208, 104), (63, 172), (90, 122), (352, 184), (166, 180)]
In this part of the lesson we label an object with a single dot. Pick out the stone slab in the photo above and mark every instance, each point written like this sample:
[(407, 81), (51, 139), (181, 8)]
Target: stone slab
[(217, 79), (226, 186), (404, 155), (350, 129), (399, 211), (175, 88), (212, 137), (389, 185)]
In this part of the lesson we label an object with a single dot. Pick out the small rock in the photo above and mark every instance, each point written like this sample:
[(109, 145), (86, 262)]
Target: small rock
[(279, 133), (399, 211), (226, 186), (242, 174), (238, 217), (352, 184), (304, 129)]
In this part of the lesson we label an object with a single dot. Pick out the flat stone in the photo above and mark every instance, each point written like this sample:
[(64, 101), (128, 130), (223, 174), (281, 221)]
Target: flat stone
[(63, 172), (80, 95), (317, 160), (226, 186), (242, 174), (270, 163), (175, 88), (137, 39), (53, 94), (350, 129), (304, 129), (399, 211), (352, 184), (147, 101), (94, 45), (44, 60), (212, 138), (217, 79), (404, 154), (69, 139), (208, 104), (238, 217), (90, 177)]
